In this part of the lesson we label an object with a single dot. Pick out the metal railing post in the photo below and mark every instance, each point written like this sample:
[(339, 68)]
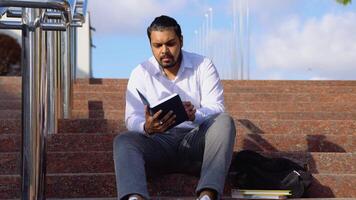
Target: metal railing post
[(51, 56), (67, 89), (32, 137), (74, 53), (59, 75)]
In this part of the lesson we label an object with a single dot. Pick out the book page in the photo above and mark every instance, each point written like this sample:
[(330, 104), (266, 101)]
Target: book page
[(143, 98), (163, 100)]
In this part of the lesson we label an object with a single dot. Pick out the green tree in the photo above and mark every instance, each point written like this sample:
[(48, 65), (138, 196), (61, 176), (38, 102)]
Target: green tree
[(345, 2)]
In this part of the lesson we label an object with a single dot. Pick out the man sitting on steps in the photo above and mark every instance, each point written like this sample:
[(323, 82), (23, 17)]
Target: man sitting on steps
[(203, 144)]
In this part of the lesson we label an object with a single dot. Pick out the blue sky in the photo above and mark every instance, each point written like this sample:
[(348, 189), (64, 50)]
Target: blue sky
[(289, 39)]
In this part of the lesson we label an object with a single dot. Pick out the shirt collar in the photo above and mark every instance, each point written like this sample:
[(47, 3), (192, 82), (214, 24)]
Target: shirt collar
[(186, 63)]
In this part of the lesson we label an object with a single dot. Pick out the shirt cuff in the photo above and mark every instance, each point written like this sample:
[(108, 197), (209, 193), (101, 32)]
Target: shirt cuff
[(198, 117), (141, 126)]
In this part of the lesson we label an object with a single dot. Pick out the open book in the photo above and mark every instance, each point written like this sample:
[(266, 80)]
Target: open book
[(170, 103), (260, 194)]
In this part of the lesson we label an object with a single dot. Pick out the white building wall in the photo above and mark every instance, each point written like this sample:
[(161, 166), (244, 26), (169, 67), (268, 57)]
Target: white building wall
[(84, 50)]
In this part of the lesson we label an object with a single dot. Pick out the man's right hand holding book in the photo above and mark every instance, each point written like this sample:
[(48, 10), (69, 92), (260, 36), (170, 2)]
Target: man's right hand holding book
[(155, 124)]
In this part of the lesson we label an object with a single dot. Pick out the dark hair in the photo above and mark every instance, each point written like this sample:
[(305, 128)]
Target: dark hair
[(164, 22)]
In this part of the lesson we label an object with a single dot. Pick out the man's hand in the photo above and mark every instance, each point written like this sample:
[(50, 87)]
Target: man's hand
[(154, 125), (190, 110)]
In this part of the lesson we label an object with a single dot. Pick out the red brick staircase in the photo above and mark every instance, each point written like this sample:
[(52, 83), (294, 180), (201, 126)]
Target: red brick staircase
[(311, 122)]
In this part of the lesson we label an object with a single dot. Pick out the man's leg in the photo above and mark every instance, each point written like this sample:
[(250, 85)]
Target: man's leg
[(132, 153), (212, 144)]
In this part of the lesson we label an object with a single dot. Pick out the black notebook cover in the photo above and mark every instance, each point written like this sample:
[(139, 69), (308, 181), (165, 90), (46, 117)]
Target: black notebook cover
[(171, 103)]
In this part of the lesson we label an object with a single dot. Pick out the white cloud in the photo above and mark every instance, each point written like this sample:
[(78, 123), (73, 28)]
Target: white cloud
[(269, 12), (129, 16), (327, 46), (271, 6)]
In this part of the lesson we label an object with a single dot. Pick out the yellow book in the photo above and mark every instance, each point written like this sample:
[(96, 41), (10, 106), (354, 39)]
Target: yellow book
[(260, 194)]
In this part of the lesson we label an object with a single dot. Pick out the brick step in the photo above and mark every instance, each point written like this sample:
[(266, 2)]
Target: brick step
[(310, 127), (289, 97), (103, 185), (10, 126), (235, 88), (290, 107), (238, 106), (13, 96), (10, 105), (235, 97), (178, 198), (13, 80), (229, 97), (272, 115), (101, 81), (10, 114), (238, 97), (10, 89), (119, 114), (259, 83), (288, 89), (13, 126), (293, 115), (258, 142), (102, 162), (281, 83), (194, 198), (15, 90)]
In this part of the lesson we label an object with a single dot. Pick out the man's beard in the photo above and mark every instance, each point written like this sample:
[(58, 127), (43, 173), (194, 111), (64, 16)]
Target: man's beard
[(173, 63)]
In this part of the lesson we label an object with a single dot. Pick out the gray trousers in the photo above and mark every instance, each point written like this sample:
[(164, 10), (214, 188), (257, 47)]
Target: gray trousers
[(207, 149)]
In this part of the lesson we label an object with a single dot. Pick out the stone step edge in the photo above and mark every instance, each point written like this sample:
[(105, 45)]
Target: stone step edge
[(231, 112), (192, 198), (105, 81), (235, 151), (312, 160), (186, 198), (238, 133), (61, 134), (110, 101), (112, 174)]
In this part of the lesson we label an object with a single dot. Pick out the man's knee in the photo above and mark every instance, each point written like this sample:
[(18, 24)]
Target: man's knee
[(124, 140), (226, 124), (222, 131)]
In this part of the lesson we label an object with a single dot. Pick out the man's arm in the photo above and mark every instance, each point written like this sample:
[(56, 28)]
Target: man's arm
[(134, 111), (211, 92)]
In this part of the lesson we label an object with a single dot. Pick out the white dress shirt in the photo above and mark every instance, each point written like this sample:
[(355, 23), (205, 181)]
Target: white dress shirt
[(197, 81)]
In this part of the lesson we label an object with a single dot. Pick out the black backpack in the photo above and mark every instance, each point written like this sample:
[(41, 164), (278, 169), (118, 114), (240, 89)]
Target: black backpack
[(254, 171)]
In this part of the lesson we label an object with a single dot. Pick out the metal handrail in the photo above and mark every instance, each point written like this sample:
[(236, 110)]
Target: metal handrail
[(67, 6), (73, 15), (10, 25), (2, 11), (51, 14), (14, 12), (82, 5), (80, 13)]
